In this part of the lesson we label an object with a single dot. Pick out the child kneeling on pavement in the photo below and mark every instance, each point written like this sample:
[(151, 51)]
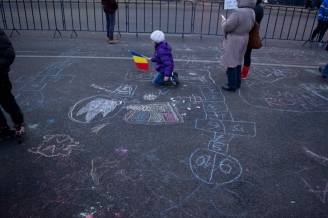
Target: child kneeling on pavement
[(164, 60)]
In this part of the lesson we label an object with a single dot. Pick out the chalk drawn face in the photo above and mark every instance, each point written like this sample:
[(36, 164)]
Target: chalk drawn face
[(95, 109), (55, 145), (159, 113), (213, 167)]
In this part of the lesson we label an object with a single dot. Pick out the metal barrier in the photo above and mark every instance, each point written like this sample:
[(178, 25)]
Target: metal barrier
[(173, 17)]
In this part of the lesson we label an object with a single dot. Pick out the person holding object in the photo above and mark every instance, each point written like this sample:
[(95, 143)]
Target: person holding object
[(163, 59), (259, 13), (110, 7), (322, 23), (7, 100), (236, 33)]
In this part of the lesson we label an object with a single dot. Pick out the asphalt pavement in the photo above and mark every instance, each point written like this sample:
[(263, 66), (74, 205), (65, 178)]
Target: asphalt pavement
[(103, 141)]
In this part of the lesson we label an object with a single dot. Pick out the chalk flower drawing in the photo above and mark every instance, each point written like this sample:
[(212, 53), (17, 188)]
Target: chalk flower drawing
[(55, 145)]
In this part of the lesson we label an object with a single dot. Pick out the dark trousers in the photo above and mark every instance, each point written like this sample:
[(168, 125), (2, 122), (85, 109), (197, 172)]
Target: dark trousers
[(8, 102), (321, 28), (110, 25), (247, 58), (234, 77)]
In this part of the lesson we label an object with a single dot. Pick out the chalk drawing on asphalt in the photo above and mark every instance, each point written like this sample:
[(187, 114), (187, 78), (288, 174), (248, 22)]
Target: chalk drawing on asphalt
[(157, 113), (301, 98), (123, 90), (183, 76), (314, 183), (55, 145), (97, 128), (95, 108), (213, 165)]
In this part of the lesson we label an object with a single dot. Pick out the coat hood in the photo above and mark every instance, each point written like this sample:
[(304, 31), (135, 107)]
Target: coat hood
[(246, 3)]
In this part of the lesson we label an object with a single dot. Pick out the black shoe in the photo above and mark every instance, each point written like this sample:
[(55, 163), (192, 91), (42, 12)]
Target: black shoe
[(175, 78), (237, 86), (227, 88)]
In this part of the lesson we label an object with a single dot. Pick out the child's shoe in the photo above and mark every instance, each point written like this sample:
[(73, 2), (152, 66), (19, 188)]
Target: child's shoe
[(19, 132), (175, 78)]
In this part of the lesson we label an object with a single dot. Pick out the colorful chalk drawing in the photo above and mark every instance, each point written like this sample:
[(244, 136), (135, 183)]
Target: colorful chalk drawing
[(55, 145), (287, 97), (314, 183), (87, 110), (159, 113)]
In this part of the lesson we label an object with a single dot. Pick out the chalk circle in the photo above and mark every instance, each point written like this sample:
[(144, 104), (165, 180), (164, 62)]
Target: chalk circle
[(96, 108), (213, 167), (227, 202)]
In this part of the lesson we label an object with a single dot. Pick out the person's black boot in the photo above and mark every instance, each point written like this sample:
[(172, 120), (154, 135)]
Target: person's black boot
[(175, 78)]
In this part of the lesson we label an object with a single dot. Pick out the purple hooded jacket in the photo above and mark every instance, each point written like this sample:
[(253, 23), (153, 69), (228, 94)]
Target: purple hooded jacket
[(163, 58)]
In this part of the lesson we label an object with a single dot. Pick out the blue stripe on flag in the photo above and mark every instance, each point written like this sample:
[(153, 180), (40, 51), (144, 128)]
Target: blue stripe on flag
[(135, 54)]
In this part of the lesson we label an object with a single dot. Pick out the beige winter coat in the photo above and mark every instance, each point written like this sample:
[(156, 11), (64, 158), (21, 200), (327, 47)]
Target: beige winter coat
[(236, 28)]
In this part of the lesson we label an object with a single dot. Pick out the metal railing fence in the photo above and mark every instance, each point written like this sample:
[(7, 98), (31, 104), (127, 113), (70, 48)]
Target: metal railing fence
[(173, 17)]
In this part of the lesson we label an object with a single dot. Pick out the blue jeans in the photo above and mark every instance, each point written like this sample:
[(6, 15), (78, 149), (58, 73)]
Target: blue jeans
[(110, 25), (324, 70), (159, 79), (234, 77)]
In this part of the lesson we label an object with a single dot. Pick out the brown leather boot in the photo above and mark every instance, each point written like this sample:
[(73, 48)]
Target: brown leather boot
[(244, 72)]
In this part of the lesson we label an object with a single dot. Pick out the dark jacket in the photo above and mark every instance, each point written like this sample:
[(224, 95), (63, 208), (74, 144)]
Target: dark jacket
[(163, 58), (109, 6), (259, 12), (7, 53)]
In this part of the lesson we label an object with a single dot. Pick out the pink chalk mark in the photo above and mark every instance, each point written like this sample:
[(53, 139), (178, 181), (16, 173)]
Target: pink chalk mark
[(320, 159), (88, 216), (320, 194)]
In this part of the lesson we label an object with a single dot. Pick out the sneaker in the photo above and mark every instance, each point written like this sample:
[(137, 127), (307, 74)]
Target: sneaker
[(175, 78), (321, 43), (113, 41)]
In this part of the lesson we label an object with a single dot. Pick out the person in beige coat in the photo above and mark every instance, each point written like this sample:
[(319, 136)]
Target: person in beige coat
[(236, 32)]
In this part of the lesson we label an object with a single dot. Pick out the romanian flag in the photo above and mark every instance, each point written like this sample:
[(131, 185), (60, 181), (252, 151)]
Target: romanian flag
[(140, 60)]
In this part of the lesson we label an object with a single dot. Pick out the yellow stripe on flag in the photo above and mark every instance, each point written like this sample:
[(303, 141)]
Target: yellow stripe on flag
[(139, 59)]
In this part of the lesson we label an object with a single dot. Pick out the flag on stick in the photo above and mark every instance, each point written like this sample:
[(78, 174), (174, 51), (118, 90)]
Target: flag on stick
[(140, 60)]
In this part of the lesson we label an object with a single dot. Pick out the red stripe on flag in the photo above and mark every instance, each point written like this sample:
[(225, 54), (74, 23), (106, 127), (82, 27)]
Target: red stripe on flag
[(143, 66)]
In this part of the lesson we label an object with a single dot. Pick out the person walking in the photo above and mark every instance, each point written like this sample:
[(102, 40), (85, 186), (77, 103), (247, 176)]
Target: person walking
[(7, 100), (164, 60), (259, 13), (110, 7), (322, 23), (236, 33)]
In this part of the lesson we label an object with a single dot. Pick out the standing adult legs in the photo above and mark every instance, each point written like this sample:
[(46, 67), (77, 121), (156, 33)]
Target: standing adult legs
[(8, 102), (110, 25), (232, 77)]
